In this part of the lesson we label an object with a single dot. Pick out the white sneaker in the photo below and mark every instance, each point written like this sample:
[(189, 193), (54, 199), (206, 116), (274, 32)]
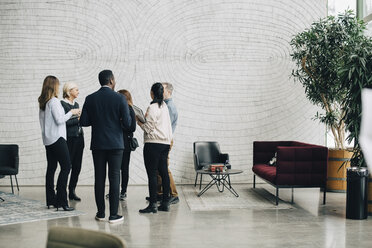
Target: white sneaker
[(116, 219), (100, 217)]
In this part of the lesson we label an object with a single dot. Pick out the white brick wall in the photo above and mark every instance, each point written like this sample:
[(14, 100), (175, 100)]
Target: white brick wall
[(228, 60)]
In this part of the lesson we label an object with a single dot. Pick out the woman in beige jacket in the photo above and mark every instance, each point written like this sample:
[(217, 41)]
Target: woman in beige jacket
[(157, 138)]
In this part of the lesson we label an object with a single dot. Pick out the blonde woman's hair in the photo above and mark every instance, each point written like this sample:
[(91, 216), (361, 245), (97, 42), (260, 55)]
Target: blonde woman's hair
[(127, 95), (49, 90), (66, 89)]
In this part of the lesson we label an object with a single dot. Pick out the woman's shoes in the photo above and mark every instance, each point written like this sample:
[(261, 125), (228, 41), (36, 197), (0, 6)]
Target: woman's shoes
[(66, 208), (73, 196), (51, 205), (151, 208)]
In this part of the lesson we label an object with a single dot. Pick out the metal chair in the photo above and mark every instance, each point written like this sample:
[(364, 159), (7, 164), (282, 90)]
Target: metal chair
[(206, 153), (68, 237), (9, 162)]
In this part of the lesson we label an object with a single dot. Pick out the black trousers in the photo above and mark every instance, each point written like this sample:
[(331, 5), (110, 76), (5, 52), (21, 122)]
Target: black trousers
[(57, 153), (155, 156), (75, 147), (100, 159), (125, 171)]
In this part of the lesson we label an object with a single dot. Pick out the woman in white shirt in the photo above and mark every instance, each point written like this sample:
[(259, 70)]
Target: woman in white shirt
[(53, 128), (157, 138)]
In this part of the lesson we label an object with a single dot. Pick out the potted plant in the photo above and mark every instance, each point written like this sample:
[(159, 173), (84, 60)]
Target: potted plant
[(316, 53), (356, 74)]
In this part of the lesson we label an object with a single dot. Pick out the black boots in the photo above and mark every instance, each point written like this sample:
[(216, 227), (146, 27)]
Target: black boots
[(73, 196), (164, 206), (151, 208)]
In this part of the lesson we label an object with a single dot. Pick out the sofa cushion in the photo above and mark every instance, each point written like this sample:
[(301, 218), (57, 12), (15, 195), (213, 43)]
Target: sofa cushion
[(265, 172)]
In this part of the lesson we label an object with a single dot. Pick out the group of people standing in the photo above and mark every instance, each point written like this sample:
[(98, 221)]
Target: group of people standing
[(113, 122)]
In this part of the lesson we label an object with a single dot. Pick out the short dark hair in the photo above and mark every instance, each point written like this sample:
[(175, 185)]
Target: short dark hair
[(105, 76), (158, 90)]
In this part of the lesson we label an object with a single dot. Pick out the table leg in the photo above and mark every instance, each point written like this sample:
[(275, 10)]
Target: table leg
[(228, 186), (208, 186), (219, 180)]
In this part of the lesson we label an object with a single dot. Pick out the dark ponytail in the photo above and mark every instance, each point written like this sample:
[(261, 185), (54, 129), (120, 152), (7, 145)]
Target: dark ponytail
[(157, 90)]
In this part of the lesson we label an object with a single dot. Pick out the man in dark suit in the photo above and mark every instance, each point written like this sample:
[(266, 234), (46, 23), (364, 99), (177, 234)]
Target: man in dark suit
[(106, 111)]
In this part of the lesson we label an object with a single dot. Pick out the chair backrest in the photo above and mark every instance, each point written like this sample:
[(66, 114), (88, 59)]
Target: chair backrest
[(207, 152), (9, 159), (72, 237)]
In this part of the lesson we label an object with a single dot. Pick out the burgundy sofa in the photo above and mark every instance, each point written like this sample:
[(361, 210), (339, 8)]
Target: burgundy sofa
[(298, 165)]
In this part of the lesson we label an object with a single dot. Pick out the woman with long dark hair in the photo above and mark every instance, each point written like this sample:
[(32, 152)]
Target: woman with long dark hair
[(157, 138), (53, 128)]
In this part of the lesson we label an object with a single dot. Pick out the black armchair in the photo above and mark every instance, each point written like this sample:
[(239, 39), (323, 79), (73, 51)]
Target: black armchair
[(206, 153), (9, 162)]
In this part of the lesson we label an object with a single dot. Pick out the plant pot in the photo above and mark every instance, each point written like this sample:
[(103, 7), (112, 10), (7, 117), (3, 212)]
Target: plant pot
[(357, 193), (370, 195), (336, 176)]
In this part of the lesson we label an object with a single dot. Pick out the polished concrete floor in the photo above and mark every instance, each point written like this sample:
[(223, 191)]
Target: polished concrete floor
[(308, 224)]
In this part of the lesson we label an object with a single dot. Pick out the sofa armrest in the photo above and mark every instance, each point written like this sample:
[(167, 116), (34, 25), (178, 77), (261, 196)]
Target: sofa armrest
[(301, 165)]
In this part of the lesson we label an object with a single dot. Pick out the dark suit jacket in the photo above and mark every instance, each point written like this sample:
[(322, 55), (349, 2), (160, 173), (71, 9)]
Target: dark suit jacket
[(106, 111)]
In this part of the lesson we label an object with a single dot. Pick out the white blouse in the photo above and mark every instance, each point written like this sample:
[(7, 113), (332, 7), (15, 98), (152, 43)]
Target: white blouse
[(53, 121)]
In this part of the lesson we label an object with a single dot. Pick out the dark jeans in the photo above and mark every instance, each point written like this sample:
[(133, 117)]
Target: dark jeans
[(125, 171), (75, 147), (57, 153), (101, 158), (155, 156)]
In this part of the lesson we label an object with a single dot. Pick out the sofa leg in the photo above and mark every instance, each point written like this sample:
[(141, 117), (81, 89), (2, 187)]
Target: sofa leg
[(277, 196), (324, 195), (254, 181), (292, 198)]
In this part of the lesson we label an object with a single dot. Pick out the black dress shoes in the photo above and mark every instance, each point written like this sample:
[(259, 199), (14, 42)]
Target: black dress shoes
[(66, 208), (151, 208), (73, 196), (164, 206)]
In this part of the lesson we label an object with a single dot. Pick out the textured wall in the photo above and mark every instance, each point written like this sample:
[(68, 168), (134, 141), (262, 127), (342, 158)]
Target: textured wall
[(228, 60)]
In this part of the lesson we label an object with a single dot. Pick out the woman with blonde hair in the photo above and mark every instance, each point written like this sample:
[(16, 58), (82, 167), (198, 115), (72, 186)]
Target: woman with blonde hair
[(75, 137), (53, 119)]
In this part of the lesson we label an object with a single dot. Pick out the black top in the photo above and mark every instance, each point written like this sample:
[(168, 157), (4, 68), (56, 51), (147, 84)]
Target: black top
[(107, 112), (128, 132), (73, 127)]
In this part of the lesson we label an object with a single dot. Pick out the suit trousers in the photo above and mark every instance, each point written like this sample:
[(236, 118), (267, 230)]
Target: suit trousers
[(57, 153), (100, 159), (173, 189), (125, 170), (155, 156), (75, 147)]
